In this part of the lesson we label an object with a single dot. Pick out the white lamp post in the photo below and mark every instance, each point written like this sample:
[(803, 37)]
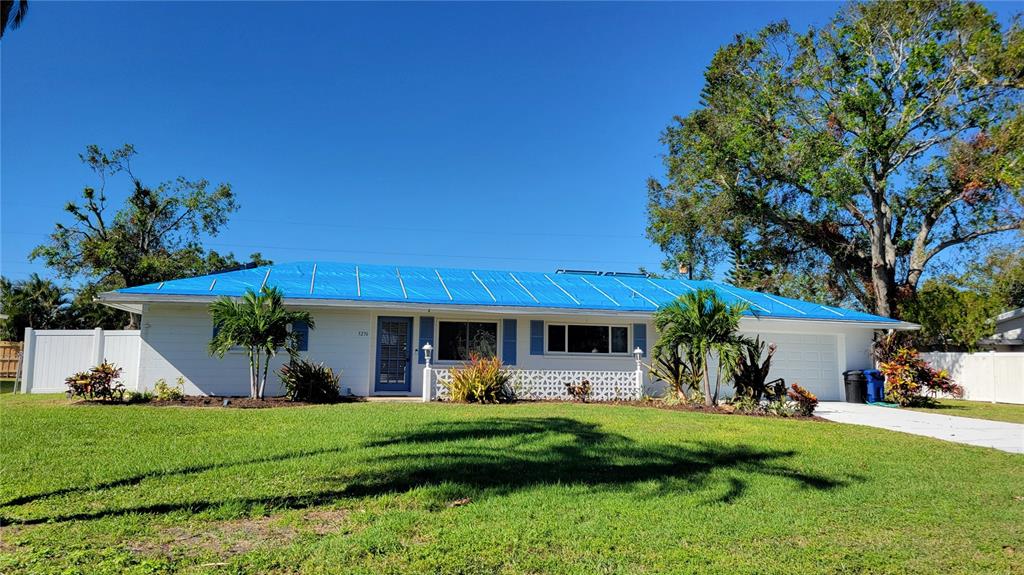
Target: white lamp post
[(428, 381), (428, 350), (638, 354)]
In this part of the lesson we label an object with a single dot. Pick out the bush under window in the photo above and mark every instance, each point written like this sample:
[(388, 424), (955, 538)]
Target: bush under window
[(482, 380), (305, 380)]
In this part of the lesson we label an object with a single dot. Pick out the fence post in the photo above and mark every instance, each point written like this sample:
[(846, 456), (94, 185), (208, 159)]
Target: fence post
[(97, 346), (28, 359), (992, 370)]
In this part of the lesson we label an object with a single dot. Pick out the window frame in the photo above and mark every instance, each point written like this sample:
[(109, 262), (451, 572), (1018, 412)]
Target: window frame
[(437, 339), (565, 331)]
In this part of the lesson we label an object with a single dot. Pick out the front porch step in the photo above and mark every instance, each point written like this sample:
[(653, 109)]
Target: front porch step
[(394, 398)]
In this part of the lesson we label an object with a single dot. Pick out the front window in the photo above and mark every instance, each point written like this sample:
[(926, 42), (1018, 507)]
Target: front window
[(588, 338), (458, 340)]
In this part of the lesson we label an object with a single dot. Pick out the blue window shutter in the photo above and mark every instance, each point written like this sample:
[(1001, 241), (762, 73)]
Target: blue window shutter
[(301, 330), (536, 337), (216, 329), (426, 335), (508, 341), (640, 337)]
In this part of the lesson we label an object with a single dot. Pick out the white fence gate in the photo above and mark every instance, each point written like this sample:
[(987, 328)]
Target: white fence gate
[(985, 376), (50, 356)]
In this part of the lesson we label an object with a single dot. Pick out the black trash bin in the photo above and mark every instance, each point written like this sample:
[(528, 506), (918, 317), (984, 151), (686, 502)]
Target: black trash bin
[(856, 386)]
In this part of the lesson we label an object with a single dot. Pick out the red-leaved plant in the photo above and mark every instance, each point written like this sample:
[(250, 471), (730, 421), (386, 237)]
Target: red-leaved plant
[(100, 382), (805, 400), (908, 379)]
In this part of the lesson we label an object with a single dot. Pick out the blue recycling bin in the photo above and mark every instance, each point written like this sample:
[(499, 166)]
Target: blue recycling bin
[(876, 385)]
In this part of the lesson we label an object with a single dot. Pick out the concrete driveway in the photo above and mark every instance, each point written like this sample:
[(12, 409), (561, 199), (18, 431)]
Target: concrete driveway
[(997, 434)]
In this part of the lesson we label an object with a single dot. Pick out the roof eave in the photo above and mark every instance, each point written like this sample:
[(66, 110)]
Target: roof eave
[(133, 302)]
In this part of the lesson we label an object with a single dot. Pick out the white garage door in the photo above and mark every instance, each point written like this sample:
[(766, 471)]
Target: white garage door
[(810, 360)]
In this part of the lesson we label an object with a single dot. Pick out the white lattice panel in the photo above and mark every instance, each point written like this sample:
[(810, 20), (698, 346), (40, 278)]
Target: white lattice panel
[(539, 384)]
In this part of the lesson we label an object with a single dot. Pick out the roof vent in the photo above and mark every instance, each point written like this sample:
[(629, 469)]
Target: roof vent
[(627, 274), (579, 272), (245, 266)]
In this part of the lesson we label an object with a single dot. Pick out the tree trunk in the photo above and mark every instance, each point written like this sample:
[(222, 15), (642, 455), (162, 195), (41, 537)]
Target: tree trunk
[(253, 373), (263, 378), (883, 253), (134, 321), (707, 385)]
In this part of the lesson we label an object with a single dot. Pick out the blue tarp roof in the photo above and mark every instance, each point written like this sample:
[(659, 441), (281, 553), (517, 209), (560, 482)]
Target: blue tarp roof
[(450, 286)]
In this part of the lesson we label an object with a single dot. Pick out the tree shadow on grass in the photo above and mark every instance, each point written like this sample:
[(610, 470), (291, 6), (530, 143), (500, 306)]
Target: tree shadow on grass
[(548, 451), (497, 456), (936, 406), (156, 474)]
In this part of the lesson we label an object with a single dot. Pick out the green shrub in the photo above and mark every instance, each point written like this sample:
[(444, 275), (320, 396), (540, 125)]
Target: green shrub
[(579, 391), (780, 407), (481, 380), (164, 392), (745, 404), (806, 401), (669, 366), (138, 397), (100, 382), (307, 381), (751, 376)]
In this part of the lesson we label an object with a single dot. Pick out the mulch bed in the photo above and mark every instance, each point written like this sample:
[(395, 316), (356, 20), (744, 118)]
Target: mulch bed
[(716, 409), (270, 402)]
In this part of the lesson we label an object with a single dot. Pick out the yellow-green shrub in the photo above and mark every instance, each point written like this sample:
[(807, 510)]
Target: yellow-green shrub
[(481, 380)]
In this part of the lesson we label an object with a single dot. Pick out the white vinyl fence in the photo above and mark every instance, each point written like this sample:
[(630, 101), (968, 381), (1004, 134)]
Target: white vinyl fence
[(50, 356), (985, 376)]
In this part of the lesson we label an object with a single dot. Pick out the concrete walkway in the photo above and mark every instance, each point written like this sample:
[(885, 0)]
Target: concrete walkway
[(997, 434)]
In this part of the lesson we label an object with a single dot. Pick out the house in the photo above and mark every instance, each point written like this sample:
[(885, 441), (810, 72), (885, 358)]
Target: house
[(373, 322), (1009, 332)]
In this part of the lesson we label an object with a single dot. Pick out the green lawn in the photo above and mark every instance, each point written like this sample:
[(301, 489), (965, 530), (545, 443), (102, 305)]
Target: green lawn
[(531, 488), (978, 409)]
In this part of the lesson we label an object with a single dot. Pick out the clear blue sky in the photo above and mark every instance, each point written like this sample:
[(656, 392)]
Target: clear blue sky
[(513, 136)]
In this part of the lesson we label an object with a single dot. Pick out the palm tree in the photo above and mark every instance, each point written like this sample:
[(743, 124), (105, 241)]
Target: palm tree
[(697, 327), (37, 303), (259, 323)]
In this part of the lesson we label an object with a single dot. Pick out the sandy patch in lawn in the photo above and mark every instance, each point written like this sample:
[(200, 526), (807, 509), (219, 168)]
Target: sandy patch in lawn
[(238, 536)]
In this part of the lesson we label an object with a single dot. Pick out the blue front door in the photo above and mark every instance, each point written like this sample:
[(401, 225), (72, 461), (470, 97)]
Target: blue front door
[(394, 354)]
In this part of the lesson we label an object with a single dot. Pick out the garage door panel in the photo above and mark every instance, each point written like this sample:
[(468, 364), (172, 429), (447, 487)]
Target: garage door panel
[(810, 360)]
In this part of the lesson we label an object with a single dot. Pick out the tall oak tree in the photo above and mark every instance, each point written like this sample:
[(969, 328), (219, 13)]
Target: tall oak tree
[(854, 153)]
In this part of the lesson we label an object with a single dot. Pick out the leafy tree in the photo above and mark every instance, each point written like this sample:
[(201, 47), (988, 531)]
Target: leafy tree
[(854, 153), (950, 318), (155, 236), (1000, 275), (12, 14), (697, 327), (36, 302), (260, 324)]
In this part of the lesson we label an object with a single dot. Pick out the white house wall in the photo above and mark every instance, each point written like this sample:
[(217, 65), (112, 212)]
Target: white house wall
[(175, 339)]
